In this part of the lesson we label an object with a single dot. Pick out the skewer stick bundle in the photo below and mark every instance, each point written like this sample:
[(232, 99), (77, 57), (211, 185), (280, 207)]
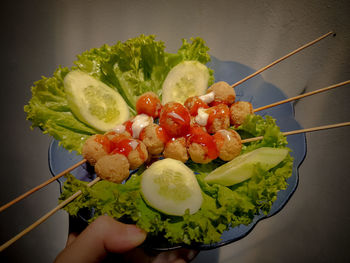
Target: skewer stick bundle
[(75, 195)]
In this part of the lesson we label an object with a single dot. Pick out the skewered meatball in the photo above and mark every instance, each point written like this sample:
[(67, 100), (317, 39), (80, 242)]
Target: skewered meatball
[(239, 111), (218, 119), (201, 146), (176, 149), (175, 119), (95, 147), (193, 104), (228, 143), (149, 104), (113, 167), (154, 137), (134, 150), (224, 93)]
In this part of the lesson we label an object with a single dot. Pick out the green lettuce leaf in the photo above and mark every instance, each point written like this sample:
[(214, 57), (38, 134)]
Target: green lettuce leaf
[(132, 68)]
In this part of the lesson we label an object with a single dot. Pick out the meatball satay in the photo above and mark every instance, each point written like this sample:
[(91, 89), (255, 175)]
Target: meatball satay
[(201, 146), (113, 167), (176, 149), (155, 138), (175, 119), (95, 147), (228, 144), (239, 111), (149, 104), (223, 93)]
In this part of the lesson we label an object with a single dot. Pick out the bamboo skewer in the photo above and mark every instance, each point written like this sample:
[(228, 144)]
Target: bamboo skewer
[(2, 208), (45, 217), (281, 59), (302, 96), (75, 195), (319, 128)]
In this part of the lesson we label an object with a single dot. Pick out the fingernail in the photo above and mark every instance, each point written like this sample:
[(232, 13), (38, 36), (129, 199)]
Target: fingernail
[(136, 234)]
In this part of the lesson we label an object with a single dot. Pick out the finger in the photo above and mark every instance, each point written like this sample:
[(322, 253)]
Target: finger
[(100, 237), (71, 237)]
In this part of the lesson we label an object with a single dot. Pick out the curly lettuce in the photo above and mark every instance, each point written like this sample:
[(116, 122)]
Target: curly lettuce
[(132, 68)]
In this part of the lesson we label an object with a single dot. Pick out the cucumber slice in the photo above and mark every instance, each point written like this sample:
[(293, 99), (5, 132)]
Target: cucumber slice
[(171, 187), (93, 102), (242, 167), (186, 79)]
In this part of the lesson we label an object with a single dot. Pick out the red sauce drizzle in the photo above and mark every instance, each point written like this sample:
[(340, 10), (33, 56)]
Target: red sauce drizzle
[(128, 126), (220, 111), (217, 102), (162, 135), (199, 136), (124, 147), (193, 104), (104, 141)]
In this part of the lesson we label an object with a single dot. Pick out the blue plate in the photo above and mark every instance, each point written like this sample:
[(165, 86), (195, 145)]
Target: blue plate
[(256, 91)]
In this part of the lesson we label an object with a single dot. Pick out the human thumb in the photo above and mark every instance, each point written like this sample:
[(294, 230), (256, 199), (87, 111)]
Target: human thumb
[(102, 236)]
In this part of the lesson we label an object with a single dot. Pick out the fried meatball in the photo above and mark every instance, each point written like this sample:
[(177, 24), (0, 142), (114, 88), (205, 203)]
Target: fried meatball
[(224, 93), (134, 150), (228, 143), (239, 111), (95, 147), (218, 119), (113, 167), (193, 104), (154, 137), (201, 146), (175, 119), (138, 155), (149, 104), (115, 136), (176, 149)]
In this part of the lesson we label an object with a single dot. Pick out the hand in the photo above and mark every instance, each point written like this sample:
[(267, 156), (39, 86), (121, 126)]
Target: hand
[(108, 237)]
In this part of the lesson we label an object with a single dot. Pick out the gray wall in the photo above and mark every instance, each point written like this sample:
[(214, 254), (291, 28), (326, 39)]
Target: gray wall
[(38, 36)]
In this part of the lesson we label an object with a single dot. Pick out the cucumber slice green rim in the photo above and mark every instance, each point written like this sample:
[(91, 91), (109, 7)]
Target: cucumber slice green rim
[(242, 167), (93, 102), (170, 187), (186, 79)]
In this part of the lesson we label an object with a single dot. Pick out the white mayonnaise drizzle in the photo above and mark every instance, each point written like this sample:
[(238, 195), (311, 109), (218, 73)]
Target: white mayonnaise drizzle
[(202, 117), (207, 98), (138, 123), (119, 128), (176, 116), (133, 144)]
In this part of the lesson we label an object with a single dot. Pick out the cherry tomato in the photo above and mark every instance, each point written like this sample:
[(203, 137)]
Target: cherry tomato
[(149, 104), (175, 119)]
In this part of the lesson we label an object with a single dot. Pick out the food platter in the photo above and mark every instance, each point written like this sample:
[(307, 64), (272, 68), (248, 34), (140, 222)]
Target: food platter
[(256, 91)]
